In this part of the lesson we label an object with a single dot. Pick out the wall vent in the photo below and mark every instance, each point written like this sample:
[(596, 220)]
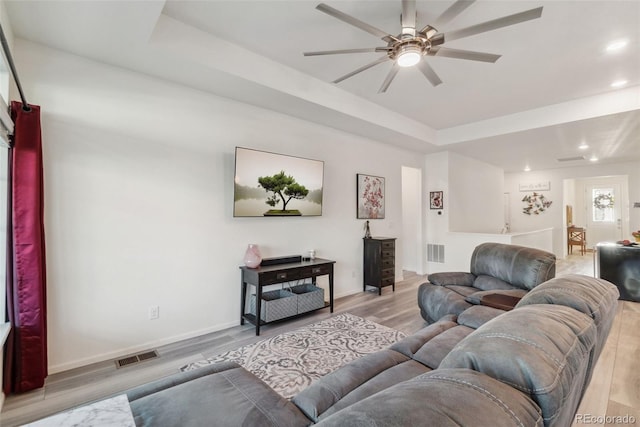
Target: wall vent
[(130, 360), (435, 253), (570, 159)]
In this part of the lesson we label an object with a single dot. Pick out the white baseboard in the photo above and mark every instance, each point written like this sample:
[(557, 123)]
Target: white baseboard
[(54, 369)]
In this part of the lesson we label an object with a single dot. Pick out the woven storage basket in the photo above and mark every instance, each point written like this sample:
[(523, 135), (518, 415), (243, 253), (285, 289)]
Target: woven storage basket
[(276, 305), (310, 297)]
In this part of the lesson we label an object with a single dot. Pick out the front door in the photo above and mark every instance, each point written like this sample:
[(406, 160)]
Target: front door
[(604, 219)]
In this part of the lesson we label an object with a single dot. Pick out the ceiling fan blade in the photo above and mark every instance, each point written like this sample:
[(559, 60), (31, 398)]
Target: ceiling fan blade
[(429, 73), (454, 10), (494, 24), (363, 68), (409, 15), (355, 22), (340, 51), (387, 81), (464, 54)]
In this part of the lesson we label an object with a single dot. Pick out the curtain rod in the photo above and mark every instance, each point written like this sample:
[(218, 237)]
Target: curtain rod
[(14, 73)]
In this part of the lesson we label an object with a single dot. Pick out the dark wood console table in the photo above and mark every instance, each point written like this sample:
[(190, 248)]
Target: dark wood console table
[(281, 273)]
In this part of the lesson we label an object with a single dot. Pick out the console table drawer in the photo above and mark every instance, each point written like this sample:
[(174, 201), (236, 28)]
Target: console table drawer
[(272, 277), (316, 270)]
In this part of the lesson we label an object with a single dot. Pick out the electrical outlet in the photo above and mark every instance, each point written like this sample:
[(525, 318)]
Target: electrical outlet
[(154, 312)]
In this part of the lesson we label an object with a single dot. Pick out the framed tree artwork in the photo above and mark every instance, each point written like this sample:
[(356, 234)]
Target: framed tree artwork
[(370, 196), (435, 200)]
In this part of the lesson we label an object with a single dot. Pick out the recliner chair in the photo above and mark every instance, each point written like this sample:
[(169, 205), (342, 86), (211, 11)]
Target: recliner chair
[(496, 268)]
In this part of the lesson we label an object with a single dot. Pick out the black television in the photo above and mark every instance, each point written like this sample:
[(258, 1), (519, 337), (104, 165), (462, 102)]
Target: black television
[(276, 185)]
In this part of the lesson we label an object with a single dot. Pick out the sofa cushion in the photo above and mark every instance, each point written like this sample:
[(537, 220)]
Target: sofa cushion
[(396, 374), (519, 266), (411, 344), (478, 315), (356, 380), (541, 350), (224, 394), (490, 283), (438, 301), (594, 297), (457, 397), (434, 350)]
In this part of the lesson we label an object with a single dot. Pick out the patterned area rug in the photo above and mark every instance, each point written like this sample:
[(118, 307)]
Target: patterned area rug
[(289, 362)]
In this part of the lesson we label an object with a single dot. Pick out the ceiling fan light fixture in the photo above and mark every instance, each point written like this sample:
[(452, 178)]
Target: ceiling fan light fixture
[(409, 56)]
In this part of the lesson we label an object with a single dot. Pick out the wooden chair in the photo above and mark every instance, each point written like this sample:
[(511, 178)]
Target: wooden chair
[(576, 236)]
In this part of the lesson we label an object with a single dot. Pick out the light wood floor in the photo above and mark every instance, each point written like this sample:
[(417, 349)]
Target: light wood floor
[(614, 389)]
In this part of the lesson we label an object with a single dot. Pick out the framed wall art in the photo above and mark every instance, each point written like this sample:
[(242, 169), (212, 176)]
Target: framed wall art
[(370, 196), (435, 200), (270, 184)]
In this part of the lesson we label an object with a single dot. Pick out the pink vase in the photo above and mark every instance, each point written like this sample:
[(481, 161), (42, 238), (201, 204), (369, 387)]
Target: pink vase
[(252, 257)]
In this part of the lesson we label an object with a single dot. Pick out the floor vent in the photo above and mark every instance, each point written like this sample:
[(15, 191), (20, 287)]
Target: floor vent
[(435, 253), (130, 360)]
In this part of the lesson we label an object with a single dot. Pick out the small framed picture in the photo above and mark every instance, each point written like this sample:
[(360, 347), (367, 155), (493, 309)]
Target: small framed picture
[(435, 200)]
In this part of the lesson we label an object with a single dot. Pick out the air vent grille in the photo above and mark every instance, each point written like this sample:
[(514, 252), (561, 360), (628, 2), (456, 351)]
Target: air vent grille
[(130, 360), (570, 159), (435, 253)]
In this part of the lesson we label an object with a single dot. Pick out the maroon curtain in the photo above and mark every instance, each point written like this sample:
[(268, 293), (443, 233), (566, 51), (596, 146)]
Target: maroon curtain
[(26, 349)]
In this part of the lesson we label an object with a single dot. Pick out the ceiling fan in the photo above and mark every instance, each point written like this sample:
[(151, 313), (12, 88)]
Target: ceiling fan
[(411, 46)]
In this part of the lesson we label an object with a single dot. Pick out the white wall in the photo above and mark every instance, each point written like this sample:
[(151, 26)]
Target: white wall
[(473, 206), (412, 219), (139, 179), (554, 216), (476, 199)]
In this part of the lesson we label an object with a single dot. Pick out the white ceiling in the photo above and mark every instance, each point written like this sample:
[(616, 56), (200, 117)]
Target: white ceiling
[(548, 92)]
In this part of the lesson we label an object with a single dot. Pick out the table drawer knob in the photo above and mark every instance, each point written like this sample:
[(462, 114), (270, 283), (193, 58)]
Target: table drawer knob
[(281, 275), (316, 270)]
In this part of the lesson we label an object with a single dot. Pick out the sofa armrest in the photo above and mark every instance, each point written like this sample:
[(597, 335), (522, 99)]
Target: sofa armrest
[(478, 297), (452, 278), (177, 379)]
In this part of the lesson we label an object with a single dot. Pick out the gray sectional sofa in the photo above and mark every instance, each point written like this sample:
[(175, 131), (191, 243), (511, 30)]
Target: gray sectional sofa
[(526, 367), (496, 268)]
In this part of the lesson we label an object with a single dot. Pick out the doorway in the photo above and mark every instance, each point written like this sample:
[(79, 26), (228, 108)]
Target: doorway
[(600, 205), (411, 242)]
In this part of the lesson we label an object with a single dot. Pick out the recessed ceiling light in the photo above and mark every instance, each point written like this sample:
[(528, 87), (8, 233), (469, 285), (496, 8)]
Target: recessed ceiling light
[(617, 45), (593, 158), (619, 83), (527, 168), (583, 146)]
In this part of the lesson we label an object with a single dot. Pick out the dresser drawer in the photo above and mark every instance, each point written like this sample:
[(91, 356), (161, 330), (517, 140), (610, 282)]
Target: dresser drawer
[(387, 282), (388, 273), (388, 244), (388, 254), (387, 263), (271, 277)]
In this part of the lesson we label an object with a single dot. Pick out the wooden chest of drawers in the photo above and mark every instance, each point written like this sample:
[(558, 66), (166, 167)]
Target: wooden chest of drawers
[(379, 263)]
